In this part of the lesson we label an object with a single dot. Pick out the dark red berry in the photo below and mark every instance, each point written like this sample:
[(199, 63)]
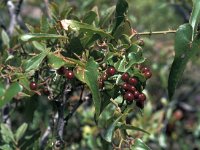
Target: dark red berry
[(69, 74), (133, 81), (142, 97), (125, 77), (104, 76), (136, 94), (129, 96), (126, 86), (140, 104), (33, 86), (132, 89), (61, 70), (145, 69), (147, 74), (111, 71), (46, 91)]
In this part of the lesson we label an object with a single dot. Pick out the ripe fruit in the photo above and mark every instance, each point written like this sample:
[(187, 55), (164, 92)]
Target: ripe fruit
[(111, 71), (147, 74), (46, 91), (145, 69), (125, 77), (69, 74), (126, 86), (136, 94), (133, 81), (142, 97), (178, 114), (132, 89), (33, 86), (129, 96), (61, 70)]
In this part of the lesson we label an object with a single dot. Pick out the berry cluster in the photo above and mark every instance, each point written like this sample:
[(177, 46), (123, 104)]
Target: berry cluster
[(61, 71), (131, 92), (110, 71), (130, 85)]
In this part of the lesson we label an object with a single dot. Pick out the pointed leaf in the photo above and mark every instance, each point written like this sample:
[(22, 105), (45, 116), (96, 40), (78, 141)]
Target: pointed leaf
[(91, 78), (40, 36), (89, 18), (21, 131), (121, 10), (34, 62), (139, 145), (184, 50), (109, 132), (195, 16), (75, 25), (7, 134), (39, 46), (12, 91)]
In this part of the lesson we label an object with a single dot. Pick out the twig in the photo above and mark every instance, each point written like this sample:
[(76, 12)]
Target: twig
[(156, 32)]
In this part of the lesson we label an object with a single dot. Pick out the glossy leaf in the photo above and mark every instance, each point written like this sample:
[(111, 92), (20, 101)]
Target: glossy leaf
[(121, 9), (39, 36), (139, 145), (75, 25), (34, 62), (195, 16), (13, 90), (91, 78), (21, 131), (5, 38), (184, 50), (7, 134)]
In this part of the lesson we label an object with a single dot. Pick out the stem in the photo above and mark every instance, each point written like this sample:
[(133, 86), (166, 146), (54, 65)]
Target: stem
[(156, 32)]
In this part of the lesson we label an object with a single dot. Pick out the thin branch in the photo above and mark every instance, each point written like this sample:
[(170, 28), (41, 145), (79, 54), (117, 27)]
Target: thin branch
[(156, 32)]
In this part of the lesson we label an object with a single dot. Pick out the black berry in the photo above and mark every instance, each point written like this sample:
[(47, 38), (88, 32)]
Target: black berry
[(140, 104), (33, 86), (111, 71)]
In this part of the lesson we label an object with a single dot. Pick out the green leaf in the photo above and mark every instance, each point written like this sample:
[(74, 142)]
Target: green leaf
[(139, 145), (44, 25), (130, 127), (91, 78), (2, 89), (13, 90), (57, 60), (5, 38), (40, 36), (35, 61), (6, 146), (195, 16), (54, 61), (7, 134), (109, 132), (89, 17), (120, 14), (109, 12), (21, 131), (40, 46), (184, 50), (75, 25)]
